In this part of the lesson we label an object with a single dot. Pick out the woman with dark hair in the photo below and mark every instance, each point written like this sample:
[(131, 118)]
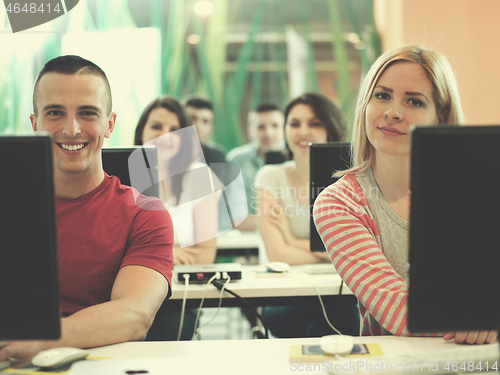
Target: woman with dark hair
[(283, 189), (164, 125), (325, 112), (160, 124), (283, 214)]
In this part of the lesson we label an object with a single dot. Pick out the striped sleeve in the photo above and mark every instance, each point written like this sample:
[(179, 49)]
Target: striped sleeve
[(348, 230)]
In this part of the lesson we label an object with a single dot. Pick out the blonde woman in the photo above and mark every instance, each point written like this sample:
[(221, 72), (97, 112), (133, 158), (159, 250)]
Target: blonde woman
[(363, 217)]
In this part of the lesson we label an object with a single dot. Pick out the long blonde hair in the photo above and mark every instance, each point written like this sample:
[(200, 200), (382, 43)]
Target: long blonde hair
[(445, 94)]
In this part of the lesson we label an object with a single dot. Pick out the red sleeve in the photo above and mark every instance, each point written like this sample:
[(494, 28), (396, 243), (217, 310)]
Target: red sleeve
[(150, 240)]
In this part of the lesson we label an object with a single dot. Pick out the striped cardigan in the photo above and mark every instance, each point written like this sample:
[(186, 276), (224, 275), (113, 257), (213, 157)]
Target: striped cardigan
[(350, 235)]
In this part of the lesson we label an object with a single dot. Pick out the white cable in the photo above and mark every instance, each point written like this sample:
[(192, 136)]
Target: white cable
[(324, 312), (207, 286), (218, 307), (184, 299)]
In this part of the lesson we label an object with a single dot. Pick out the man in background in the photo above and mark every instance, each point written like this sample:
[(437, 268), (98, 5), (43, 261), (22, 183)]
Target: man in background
[(265, 131), (200, 112)]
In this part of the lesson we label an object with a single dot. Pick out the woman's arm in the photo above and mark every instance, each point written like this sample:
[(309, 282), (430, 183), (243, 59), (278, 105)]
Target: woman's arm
[(206, 226), (349, 234), (281, 244)]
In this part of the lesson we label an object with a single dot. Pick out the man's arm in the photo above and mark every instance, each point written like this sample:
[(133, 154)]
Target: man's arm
[(137, 294)]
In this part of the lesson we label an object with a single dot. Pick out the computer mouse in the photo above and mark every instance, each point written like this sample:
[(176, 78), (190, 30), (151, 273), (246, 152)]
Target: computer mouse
[(278, 267), (58, 356), (336, 344)]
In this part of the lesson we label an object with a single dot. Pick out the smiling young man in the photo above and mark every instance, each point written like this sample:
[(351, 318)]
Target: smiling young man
[(114, 245), (265, 131)]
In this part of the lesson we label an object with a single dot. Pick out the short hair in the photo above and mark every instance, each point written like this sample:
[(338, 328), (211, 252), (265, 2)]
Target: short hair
[(198, 101), (267, 107), (70, 65), (328, 114), (262, 108), (185, 155), (445, 95)]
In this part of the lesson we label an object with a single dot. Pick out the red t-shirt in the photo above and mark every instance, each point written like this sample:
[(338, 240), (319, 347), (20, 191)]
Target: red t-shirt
[(103, 231)]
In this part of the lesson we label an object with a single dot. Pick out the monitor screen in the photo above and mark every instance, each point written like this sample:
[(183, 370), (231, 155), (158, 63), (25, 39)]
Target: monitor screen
[(28, 252), (275, 157), (454, 255), (116, 162), (324, 159)]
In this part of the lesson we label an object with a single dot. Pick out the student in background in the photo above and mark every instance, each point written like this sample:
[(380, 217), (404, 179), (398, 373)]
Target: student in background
[(194, 223), (283, 214), (177, 153), (200, 113), (114, 245), (265, 131), (363, 217)]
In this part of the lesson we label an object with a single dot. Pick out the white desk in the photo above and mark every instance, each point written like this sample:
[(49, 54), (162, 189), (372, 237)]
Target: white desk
[(250, 357), (237, 239), (297, 287)]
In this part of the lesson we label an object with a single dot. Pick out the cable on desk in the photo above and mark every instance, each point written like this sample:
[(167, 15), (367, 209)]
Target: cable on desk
[(219, 286), (218, 307), (207, 286), (324, 310), (184, 299)]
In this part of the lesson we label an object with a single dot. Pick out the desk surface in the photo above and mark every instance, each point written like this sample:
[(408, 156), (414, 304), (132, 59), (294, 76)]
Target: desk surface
[(237, 239), (260, 357)]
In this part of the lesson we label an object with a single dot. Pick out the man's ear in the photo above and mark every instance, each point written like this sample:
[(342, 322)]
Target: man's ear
[(111, 124), (34, 122)]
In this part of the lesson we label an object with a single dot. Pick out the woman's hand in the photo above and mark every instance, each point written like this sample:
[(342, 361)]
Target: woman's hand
[(472, 337)]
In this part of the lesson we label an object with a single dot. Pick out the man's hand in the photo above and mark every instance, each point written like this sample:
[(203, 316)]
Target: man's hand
[(19, 349), (472, 337)]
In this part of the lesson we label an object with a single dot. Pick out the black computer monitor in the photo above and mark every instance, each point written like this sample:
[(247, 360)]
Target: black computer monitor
[(135, 166), (28, 252), (454, 226), (275, 157), (324, 159)]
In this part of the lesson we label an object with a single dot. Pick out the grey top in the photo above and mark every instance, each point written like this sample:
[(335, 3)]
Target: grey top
[(393, 230)]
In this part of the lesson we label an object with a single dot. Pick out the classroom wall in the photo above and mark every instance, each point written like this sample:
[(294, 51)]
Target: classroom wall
[(466, 31)]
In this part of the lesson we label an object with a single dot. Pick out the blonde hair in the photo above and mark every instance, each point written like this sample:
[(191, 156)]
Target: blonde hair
[(445, 95)]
